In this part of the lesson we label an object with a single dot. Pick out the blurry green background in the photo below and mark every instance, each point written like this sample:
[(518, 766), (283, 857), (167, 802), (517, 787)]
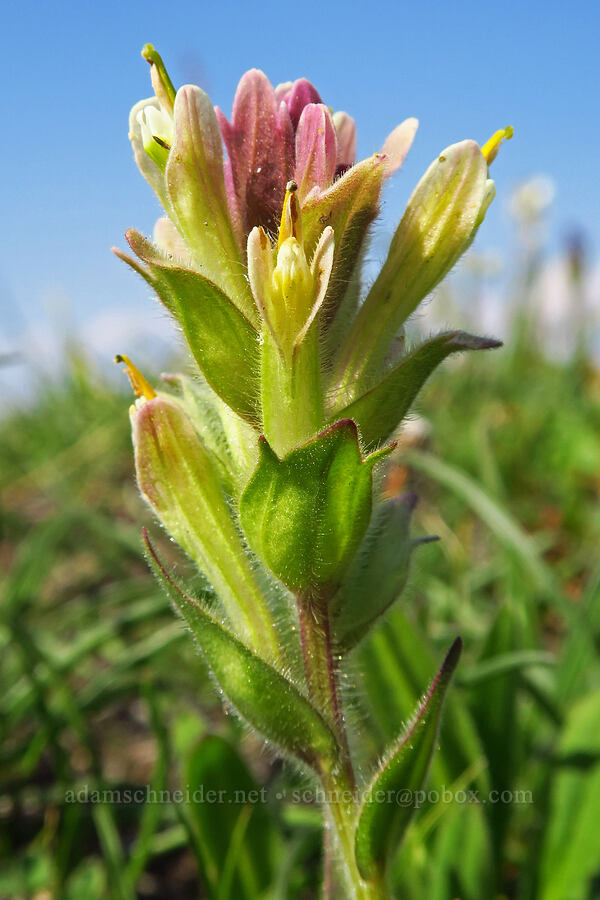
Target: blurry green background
[(100, 688)]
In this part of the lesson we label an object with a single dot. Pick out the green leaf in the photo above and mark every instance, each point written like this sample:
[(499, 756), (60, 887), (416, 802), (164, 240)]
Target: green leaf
[(571, 858), (383, 821), (263, 696), (461, 863), (578, 666), (305, 515), (226, 800), (504, 664), (395, 661), (494, 705), (222, 340), (497, 518), (380, 410), (377, 574)]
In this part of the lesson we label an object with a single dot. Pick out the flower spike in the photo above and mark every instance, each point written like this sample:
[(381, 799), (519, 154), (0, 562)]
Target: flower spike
[(291, 219), (260, 463)]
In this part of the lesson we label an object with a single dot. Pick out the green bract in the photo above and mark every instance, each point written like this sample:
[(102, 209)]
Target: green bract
[(384, 815), (306, 514), (261, 694), (380, 410), (377, 575), (222, 340)]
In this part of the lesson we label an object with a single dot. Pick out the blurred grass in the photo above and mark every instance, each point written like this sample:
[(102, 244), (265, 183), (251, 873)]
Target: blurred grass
[(101, 688)]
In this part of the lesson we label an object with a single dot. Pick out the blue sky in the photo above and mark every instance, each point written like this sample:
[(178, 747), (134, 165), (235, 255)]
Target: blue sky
[(71, 71)]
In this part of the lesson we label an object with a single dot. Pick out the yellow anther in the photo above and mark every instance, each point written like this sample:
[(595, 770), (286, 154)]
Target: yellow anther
[(491, 147), (291, 217), (141, 388)]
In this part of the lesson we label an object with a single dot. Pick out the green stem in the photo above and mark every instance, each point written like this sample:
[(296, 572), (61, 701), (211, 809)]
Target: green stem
[(340, 789), (292, 400), (342, 816), (321, 671)]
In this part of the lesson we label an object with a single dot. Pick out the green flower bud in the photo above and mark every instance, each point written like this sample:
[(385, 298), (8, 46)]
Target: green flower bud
[(439, 225), (289, 294), (288, 291), (180, 481)]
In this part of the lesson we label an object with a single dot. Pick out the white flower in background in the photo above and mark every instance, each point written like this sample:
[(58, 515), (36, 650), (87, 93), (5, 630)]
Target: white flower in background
[(531, 200)]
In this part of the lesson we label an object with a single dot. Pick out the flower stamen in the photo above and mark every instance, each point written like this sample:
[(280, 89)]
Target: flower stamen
[(141, 387), (491, 147), (291, 217)]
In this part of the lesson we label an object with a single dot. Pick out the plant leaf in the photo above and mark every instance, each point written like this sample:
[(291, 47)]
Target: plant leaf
[(381, 825), (263, 696), (494, 704), (569, 863), (306, 514), (216, 774), (222, 341), (377, 574), (395, 661), (381, 409), (462, 856)]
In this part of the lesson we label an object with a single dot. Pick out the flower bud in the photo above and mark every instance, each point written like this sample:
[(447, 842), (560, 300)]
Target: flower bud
[(288, 291), (291, 286), (180, 481), (439, 225)]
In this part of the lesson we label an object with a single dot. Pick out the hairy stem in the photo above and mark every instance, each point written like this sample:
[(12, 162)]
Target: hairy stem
[(321, 669), (341, 795)]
